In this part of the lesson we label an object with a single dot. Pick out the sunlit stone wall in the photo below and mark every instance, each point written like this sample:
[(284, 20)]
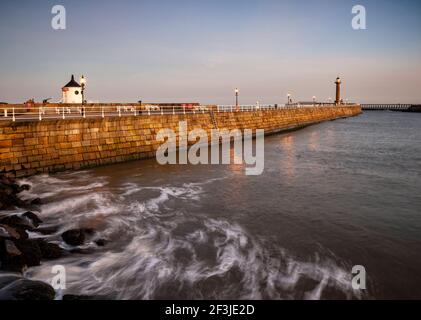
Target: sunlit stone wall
[(28, 148)]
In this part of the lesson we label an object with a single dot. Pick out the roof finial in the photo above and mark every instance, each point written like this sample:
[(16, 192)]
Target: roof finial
[(73, 77)]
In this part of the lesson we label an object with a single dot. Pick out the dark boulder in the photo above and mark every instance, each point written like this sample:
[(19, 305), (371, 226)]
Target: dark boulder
[(9, 201), (36, 201), (8, 191), (7, 278), (4, 204), (19, 188), (24, 289), (31, 251), (18, 221), (4, 233), (17, 254), (6, 180), (101, 242), (24, 187), (12, 232), (49, 251), (47, 230), (76, 237), (11, 258), (36, 221), (88, 231), (11, 248)]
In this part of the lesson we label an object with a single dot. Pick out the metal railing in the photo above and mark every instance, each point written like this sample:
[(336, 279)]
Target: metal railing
[(64, 112), (77, 112), (245, 108), (379, 106)]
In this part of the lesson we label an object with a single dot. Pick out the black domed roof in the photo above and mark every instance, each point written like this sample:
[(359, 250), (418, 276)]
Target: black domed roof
[(72, 83)]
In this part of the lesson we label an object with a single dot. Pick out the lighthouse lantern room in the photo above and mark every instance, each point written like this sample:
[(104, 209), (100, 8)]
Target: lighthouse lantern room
[(72, 92)]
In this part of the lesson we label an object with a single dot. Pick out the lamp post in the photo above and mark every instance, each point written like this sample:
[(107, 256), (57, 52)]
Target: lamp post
[(236, 98), (83, 83), (288, 98)]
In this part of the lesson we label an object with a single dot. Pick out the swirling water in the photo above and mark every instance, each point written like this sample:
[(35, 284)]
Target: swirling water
[(332, 196)]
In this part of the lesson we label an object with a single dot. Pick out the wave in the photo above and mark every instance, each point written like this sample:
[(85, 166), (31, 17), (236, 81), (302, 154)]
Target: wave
[(41, 185), (159, 251)]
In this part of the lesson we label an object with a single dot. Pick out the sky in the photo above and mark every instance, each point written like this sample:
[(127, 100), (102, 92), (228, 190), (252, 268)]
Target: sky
[(201, 50)]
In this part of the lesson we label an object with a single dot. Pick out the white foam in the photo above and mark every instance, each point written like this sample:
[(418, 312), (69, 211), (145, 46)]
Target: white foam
[(160, 257)]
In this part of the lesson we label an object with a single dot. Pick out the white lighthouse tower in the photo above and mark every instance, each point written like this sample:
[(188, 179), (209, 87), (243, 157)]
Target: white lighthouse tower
[(72, 92)]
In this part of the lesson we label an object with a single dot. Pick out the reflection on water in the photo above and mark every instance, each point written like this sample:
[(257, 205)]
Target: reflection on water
[(287, 161), (313, 141), (332, 196)]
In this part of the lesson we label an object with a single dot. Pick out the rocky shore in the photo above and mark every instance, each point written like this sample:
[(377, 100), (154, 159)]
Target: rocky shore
[(19, 251)]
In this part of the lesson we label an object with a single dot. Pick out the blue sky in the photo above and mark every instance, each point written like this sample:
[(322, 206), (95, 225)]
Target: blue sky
[(185, 50)]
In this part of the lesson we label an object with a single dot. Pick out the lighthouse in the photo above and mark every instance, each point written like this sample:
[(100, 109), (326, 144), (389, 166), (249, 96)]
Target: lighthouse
[(338, 91), (72, 92)]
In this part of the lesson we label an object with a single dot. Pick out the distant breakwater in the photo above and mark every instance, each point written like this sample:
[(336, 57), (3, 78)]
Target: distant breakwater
[(28, 148), (392, 107)]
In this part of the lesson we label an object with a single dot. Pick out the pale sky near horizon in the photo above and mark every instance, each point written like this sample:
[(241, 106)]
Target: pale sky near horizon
[(186, 50)]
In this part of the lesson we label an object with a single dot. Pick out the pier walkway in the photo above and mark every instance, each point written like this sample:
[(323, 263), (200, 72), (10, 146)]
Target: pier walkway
[(392, 107)]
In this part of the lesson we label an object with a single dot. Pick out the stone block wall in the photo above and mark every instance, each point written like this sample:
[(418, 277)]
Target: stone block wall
[(28, 148)]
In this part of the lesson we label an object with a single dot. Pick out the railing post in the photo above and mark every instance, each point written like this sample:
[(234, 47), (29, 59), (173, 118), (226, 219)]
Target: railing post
[(63, 114), (162, 111), (119, 111), (184, 109), (149, 111), (5, 113), (13, 113), (39, 114), (102, 112), (173, 110)]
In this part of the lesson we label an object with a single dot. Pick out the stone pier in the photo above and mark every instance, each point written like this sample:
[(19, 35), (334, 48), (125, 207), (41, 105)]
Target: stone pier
[(28, 148)]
